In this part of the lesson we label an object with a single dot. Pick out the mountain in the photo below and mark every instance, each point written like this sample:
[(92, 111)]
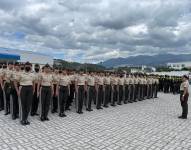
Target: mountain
[(155, 60), (77, 66)]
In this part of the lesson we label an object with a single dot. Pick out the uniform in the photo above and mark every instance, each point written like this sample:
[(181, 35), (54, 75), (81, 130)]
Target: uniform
[(114, 83), (107, 98), (14, 103), (25, 80), (1, 91), (126, 94), (100, 83), (8, 86), (72, 92), (91, 91), (35, 101), (64, 86), (54, 102), (46, 80), (80, 92), (121, 90), (184, 102), (131, 89)]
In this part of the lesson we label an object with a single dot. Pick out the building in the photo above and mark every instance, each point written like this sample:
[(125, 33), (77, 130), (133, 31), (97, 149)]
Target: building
[(30, 56), (179, 65)]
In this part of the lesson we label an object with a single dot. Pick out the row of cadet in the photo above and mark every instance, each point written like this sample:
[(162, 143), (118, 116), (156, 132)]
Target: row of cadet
[(24, 91)]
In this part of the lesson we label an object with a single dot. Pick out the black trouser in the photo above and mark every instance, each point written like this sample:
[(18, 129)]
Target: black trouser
[(155, 90), (131, 92), (7, 90), (126, 99), (14, 103), (26, 96), (100, 96), (71, 96), (139, 92), (80, 97), (184, 104), (63, 98), (148, 91), (120, 94), (1, 99), (135, 92), (91, 95), (35, 102), (54, 100), (114, 94), (45, 98), (107, 95)]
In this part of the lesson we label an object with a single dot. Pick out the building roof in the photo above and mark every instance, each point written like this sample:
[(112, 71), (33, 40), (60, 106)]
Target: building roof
[(5, 56)]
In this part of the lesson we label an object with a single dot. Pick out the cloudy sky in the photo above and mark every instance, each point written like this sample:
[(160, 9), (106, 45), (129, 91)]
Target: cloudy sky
[(96, 30)]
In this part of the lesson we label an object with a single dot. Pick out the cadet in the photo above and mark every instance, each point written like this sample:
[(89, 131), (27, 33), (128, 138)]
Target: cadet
[(107, 86), (64, 90), (72, 90), (35, 101), (91, 91), (184, 94), (120, 89), (25, 92), (46, 92), (1, 89), (114, 94), (126, 82), (80, 85), (54, 102), (8, 85), (14, 103), (131, 88), (100, 90)]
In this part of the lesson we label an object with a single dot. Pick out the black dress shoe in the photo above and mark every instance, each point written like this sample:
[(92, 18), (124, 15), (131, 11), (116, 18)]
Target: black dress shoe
[(62, 115), (89, 109), (42, 118), (27, 122), (113, 105), (98, 108), (68, 109), (14, 117), (7, 113), (119, 104), (1, 109), (23, 123), (79, 112), (46, 119), (125, 102), (181, 117), (106, 106)]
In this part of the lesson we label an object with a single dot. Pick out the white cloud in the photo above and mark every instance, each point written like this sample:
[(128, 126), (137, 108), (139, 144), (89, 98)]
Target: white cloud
[(93, 31)]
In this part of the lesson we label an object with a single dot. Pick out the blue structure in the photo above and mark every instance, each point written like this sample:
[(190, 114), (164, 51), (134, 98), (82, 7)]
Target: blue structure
[(4, 56)]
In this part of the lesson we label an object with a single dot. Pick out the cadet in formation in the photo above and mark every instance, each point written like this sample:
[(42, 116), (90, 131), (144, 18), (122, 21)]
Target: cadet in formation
[(37, 91)]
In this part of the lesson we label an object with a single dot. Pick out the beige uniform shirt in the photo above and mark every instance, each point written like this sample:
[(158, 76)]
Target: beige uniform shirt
[(8, 75), (25, 78), (46, 79), (100, 81), (64, 80), (136, 80), (90, 80), (121, 81), (81, 79), (184, 85), (131, 81), (114, 81), (126, 81), (107, 80)]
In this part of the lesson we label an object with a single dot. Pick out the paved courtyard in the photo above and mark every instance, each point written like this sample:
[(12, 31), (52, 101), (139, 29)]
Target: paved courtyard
[(145, 125)]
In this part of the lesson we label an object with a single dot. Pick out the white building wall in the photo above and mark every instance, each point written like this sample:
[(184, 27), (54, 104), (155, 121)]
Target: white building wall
[(32, 57), (179, 65)]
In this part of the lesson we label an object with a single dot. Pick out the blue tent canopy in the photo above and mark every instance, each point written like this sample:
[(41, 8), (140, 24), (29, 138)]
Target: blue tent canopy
[(9, 56)]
